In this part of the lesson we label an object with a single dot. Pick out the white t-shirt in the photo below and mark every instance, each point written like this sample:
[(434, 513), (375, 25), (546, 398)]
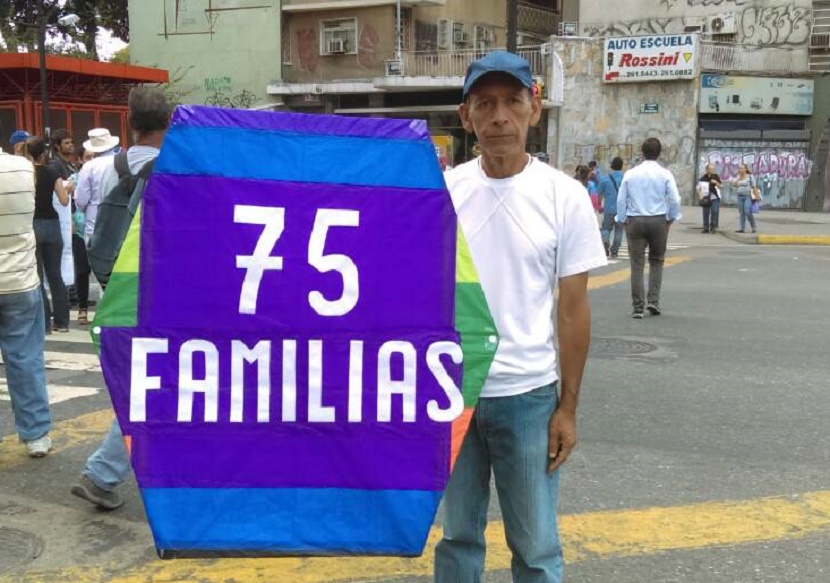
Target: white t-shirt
[(524, 232)]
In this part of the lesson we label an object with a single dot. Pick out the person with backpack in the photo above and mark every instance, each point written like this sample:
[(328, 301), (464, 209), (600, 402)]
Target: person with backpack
[(608, 189), (121, 189)]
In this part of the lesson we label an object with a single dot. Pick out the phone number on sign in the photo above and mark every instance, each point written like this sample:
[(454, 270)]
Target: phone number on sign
[(657, 74)]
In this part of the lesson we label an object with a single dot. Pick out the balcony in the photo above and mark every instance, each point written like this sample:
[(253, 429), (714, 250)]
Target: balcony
[(455, 63), (736, 58), (320, 5), (537, 20)]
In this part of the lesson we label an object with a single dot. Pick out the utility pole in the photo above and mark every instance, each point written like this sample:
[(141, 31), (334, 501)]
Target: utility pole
[(512, 24), (44, 84)]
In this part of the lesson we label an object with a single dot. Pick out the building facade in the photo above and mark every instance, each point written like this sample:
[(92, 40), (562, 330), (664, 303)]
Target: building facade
[(218, 52), (402, 58), (756, 95)]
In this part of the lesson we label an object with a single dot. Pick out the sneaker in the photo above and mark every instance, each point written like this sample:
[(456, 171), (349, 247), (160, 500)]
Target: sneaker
[(705, 230), (740, 231), (637, 315), (39, 447), (86, 489), (653, 309)]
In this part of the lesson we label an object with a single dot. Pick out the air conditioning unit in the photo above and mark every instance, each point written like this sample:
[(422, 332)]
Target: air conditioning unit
[(460, 37), (336, 46), (722, 24), (394, 68), (483, 35), (568, 28)]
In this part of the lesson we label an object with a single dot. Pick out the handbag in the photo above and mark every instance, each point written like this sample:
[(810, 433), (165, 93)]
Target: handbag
[(755, 207), (754, 191)]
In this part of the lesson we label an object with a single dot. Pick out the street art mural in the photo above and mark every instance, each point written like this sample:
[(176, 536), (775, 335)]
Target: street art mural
[(781, 168)]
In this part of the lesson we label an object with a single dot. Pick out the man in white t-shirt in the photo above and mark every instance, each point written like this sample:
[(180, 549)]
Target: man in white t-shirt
[(530, 228)]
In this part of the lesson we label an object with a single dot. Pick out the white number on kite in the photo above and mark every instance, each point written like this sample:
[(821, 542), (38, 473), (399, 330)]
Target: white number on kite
[(343, 264), (273, 221)]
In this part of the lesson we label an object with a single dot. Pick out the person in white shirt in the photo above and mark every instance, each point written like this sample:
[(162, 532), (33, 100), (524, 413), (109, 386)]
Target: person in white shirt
[(530, 229), (91, 189), (647, 204), (22, 318)]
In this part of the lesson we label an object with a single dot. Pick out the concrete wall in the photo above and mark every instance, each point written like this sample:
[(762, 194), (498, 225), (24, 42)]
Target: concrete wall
[(762, 23), (600, 121), (225, 58), (818, 190)]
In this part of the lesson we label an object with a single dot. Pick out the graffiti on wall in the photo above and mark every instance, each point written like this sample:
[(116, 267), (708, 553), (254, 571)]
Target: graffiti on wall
[(243, 100), (783, 25), (218, 84), (782, 170), (775, 25)]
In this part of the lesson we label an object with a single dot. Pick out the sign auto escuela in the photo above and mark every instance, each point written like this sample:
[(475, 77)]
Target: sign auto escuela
[(650, 58)]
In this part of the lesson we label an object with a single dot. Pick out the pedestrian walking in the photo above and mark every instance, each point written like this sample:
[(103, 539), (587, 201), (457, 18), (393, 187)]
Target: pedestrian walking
[(743, 184), (710, 202), (149, 117), (583, 175), (609, 188), (528, 227), (49, 237), (648, 204), (21, 306)]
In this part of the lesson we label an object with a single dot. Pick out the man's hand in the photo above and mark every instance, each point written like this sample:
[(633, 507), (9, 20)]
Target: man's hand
[(561, 438)]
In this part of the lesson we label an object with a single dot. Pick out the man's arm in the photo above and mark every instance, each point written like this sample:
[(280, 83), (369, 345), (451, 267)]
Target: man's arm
[(573, 321), (622, 202), (672, 200), (83, 190)]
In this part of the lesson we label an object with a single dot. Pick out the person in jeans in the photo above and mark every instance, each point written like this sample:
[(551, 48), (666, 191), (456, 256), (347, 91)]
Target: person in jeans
[(648, 204), (21, 306), (149, 117), (743, 184), (711, 212), (529, 227), (48, 235), (608, 189)]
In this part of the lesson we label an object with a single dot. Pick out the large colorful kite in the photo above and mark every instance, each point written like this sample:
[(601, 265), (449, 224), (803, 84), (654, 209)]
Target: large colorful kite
[(283, 332)]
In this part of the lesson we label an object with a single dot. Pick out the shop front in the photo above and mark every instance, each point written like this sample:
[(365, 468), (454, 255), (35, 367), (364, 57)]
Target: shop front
[(760, 122)]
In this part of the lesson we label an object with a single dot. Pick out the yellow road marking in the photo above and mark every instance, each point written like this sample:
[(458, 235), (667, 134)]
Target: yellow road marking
[(64, 434), (593, 535), (793, 240), (621, 275)]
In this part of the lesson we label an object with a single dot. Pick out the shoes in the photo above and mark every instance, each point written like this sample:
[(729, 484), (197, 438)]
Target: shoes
[(740, 231), (613, 255), (705, 230), (653, 309), (83, 318), (637, 315), (86, 489), (713, 231), (39, 447)]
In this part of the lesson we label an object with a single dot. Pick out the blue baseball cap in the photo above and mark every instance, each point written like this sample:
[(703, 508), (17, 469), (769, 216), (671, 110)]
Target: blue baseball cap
[(19, 136), (498, 62)]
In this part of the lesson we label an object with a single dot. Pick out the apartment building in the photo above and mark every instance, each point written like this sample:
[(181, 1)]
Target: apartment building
[(402, 58), (757, 92)]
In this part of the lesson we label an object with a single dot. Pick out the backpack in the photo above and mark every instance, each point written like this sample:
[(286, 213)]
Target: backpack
[(115, 213)]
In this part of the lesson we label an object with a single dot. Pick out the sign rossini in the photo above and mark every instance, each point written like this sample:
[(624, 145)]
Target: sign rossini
[(650, 58)]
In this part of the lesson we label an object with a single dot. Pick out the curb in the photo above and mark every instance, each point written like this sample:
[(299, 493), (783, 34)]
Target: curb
[(756, 239)]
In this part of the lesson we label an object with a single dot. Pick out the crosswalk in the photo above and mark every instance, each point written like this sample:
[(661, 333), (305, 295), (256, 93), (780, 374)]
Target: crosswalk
[(72, 370)]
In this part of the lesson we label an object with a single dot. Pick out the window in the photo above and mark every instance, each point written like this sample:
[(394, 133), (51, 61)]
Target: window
[(338, 37)]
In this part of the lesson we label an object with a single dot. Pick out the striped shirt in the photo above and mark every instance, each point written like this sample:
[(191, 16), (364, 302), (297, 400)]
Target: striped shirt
[(18, 268)]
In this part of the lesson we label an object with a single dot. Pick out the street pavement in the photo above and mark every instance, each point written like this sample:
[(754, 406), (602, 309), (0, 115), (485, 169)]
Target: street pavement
[(703, 453)]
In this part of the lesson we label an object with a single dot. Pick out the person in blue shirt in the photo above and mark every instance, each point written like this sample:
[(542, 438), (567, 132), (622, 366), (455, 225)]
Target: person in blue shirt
[(647, 204), (609, 187)]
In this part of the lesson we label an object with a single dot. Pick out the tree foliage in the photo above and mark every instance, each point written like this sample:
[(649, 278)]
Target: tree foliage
[(19, 21)]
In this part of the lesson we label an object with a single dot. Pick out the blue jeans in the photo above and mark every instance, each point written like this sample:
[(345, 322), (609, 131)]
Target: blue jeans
[(711, 214), (110, 463), (744, 209), (609, 223), (49, 251), (21, 342), (509, 435)]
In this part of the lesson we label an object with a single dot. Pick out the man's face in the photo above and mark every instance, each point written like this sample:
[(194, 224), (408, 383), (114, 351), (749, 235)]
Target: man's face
[(500, 111), (66, 147)]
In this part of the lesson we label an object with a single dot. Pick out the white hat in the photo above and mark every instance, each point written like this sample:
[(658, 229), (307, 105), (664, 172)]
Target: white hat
[(100, 141)]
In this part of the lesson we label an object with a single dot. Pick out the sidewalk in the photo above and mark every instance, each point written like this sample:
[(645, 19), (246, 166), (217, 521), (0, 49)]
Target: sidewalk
[(775, 227)]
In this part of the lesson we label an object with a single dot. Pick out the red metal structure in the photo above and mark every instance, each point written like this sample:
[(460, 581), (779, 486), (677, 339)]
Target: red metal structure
[(83, 94)]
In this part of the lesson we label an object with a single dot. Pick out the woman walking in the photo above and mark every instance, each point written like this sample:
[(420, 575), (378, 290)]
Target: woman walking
[(743, 184), (711, 211), (48, 236)]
